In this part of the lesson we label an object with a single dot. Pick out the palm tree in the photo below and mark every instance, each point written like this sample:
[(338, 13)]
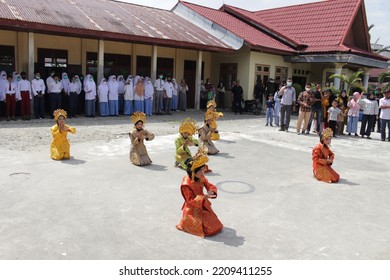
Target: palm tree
[(352, 80), (382, 77)]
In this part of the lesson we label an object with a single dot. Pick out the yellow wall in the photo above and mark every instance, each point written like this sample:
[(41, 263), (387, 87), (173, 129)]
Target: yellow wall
[(73, 45)]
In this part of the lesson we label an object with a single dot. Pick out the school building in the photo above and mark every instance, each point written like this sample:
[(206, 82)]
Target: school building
[(307, 42)]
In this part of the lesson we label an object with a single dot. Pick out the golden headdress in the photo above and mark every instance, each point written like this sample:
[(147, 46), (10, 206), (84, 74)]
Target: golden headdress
[(326, 133), (138, 116), (59, 112), (198, 160), (188, 125), (211, 103)]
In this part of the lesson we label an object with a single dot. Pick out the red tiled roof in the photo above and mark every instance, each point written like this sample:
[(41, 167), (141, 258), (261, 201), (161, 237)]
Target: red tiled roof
[(252, 36), (319, 25), (107, 18)]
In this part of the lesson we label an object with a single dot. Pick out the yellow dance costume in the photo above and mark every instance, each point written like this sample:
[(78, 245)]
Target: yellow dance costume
[(211, 107), (60, 147)]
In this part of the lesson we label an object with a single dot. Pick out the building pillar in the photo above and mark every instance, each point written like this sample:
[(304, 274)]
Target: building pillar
[(366, 77), (198, 79), (31, 56), (133, 65), (338, 69), (31, 64), (154, 64), (100, 70)]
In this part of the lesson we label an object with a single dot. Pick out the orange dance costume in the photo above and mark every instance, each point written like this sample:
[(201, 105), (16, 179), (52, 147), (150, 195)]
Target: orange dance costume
[(198, 216), (323, 158)]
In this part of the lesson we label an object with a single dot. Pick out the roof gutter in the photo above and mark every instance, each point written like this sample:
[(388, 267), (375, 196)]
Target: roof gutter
[(221, 33)]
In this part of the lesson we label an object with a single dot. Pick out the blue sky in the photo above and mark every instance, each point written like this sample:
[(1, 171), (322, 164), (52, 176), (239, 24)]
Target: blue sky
[(378, 11)]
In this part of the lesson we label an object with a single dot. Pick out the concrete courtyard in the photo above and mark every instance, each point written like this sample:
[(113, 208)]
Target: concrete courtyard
[(97, 205)]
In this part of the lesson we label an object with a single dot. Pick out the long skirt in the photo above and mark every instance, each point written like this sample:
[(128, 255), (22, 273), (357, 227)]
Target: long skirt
[(182, 101), (128, 109), (174, 102), (138, 106), (113, 104), (90, 108), (148, 107), (104, 111)]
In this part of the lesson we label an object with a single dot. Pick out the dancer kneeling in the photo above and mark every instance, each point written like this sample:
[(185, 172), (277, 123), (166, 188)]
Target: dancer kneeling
[(323, 158), (205, 134), (60, 147), (138, 153), (198, 217)]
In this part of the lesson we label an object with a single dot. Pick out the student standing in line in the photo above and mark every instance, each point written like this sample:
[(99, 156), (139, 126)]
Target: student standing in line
[(10, 98), (113, 92), (129, 97), (24, 89), (90, 96), (148, 96), (74, 90), (38, 89), (103, 98)]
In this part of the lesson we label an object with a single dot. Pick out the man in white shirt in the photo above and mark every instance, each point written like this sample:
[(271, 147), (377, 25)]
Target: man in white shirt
[(288, 97), (168, 92), (55, 94), (10, 98), (38, 90), (384, 104), (24, 89), (158, 99)]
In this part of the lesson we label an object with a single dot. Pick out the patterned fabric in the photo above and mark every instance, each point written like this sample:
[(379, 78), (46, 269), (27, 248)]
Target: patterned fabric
[(138, 153), (198, 217), (306, 98), (321, 167)]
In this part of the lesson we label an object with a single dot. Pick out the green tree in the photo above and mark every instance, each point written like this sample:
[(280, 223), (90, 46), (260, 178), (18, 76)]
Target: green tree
[(352, 81), (382, 78)]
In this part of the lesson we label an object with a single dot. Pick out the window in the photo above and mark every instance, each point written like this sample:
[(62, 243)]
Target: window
[(165, 66), (7, 58), (114, 64), (52, 58), (281, 74), (144, 66), (228, 74), (262, 72)]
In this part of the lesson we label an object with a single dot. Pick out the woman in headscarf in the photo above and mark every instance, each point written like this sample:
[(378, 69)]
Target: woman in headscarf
[(139, 91), (113, 88), (183, 88), (353, 114), (3, 84), (129, 96), (148, 97), (198, 216), (138, 153), (60, 147), (103, 98), (323, 159), (175, 97), (90, 96)]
